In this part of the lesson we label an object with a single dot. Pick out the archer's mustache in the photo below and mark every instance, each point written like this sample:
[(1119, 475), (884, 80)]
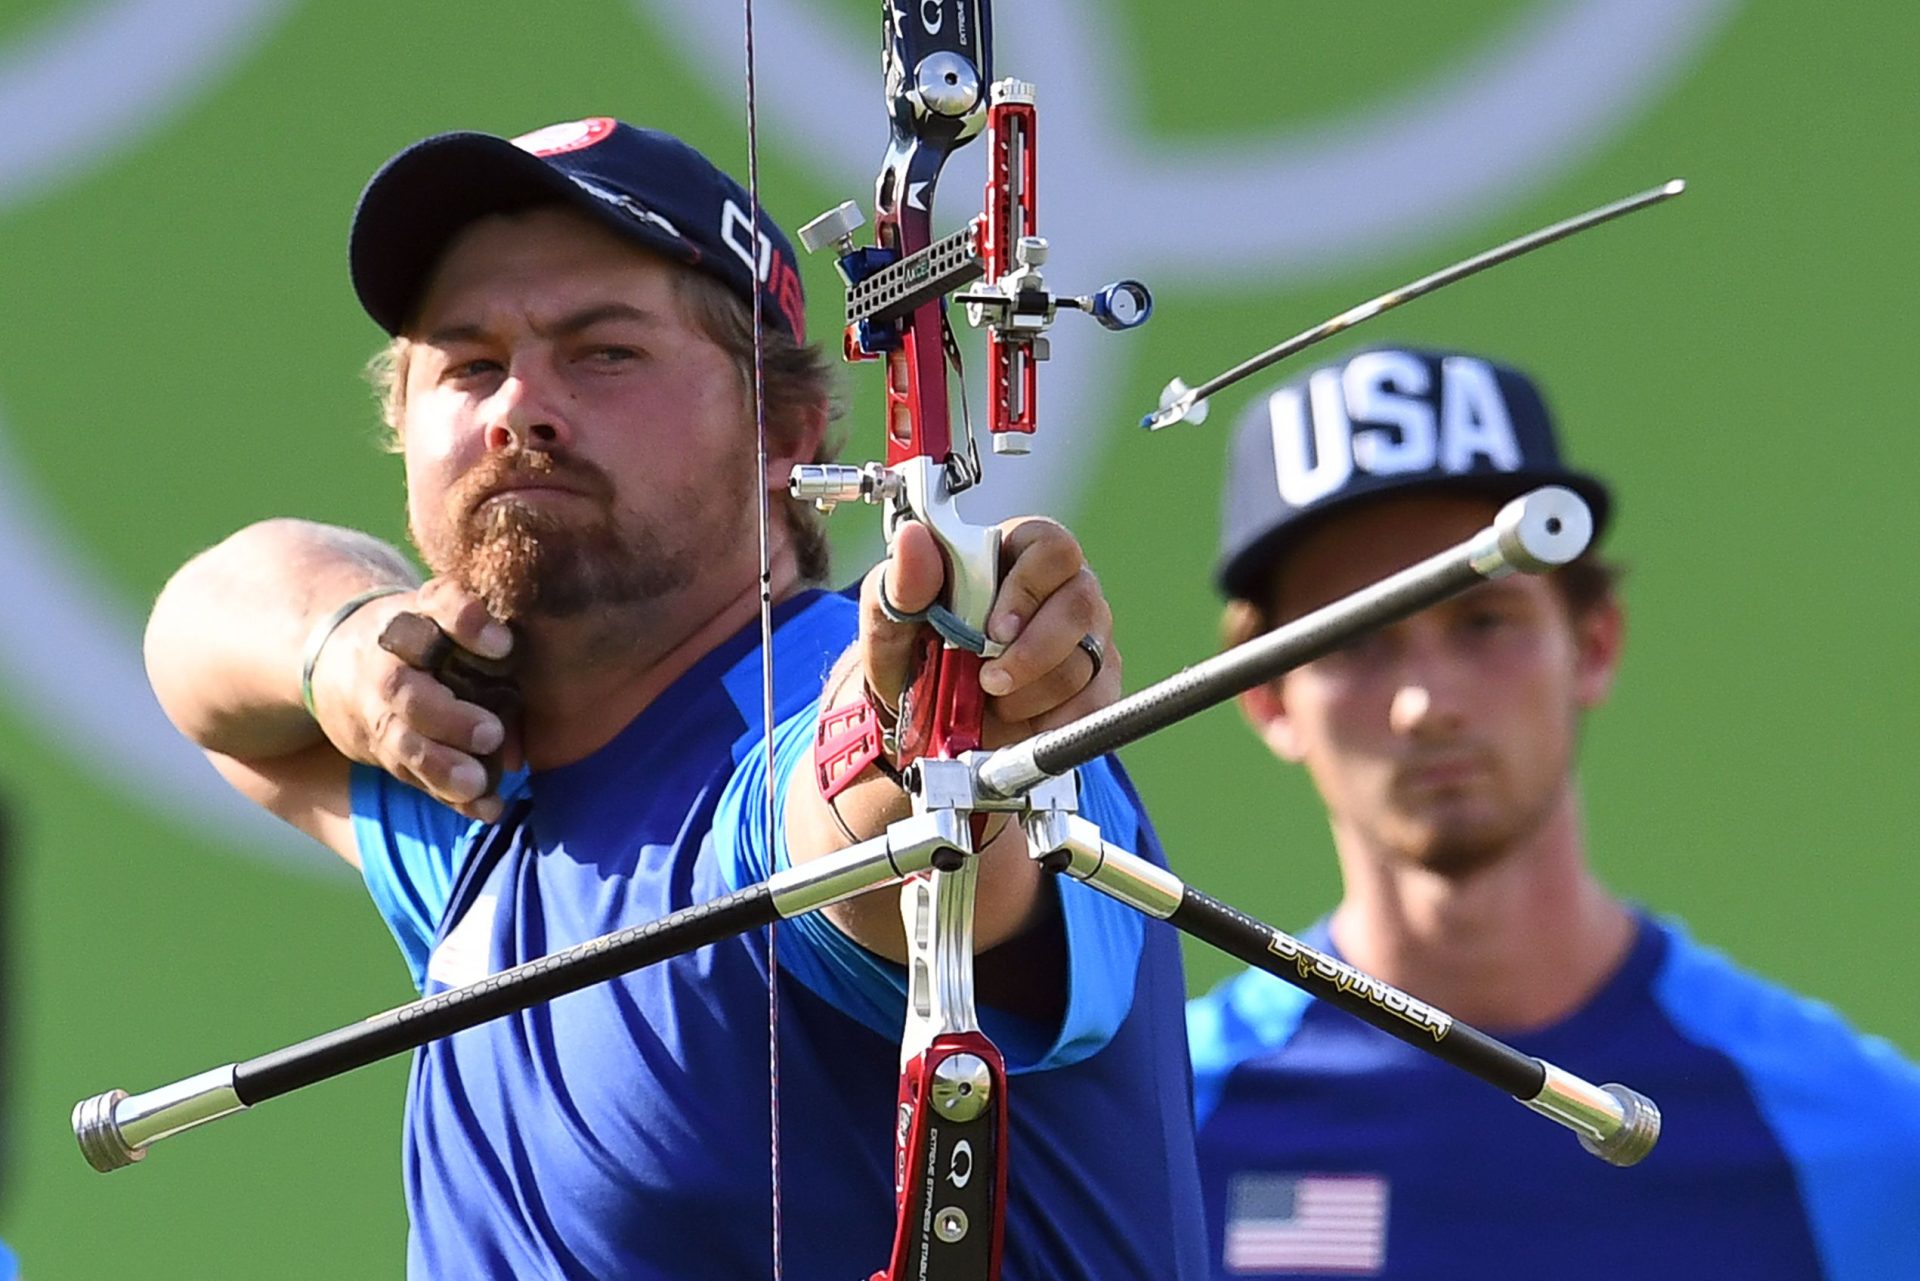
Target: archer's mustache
[(499, 473)]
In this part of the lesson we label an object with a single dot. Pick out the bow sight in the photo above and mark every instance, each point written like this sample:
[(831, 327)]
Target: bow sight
[(890, 282)]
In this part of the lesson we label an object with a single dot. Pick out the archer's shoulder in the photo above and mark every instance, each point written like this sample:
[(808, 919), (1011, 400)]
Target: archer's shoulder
[(1789, 1045), (1241, 1017)]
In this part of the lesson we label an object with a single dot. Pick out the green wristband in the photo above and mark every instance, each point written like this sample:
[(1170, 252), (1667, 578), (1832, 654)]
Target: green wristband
[(324, 630)]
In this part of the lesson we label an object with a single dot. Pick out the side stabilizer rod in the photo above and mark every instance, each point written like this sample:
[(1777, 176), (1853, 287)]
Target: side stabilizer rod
[(116, 1128)]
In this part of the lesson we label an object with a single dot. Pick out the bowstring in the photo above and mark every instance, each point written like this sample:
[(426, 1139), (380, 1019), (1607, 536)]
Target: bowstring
[(762, 507)]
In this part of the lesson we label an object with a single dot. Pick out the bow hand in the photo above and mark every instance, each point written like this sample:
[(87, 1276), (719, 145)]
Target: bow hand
[(1050, 655)]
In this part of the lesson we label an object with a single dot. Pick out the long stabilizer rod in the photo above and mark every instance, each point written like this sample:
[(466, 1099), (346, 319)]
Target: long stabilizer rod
[(1538, 531), (116, 1128)]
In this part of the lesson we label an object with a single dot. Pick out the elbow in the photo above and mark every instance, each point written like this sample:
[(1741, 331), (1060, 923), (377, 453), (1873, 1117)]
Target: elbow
[(166, 650)]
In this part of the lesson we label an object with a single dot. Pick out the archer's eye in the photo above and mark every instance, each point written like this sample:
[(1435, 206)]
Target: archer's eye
[(467, 370), (1485, 625), (1370, 649)]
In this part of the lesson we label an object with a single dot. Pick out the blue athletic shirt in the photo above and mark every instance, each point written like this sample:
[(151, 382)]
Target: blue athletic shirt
[(622, 1131), (1790, 1145)]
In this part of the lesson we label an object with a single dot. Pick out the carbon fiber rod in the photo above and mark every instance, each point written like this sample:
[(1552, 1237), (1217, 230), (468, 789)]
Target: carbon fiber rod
[(1538, 531), (115, 1129), (1615, 1123), (1180, 402)]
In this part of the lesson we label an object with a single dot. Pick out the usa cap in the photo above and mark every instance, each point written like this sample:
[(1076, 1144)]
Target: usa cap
[(642, 184), (1384, 421)]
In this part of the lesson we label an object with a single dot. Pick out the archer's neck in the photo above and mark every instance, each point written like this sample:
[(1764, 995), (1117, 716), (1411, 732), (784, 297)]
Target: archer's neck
[(583, 680), (1519, 943)]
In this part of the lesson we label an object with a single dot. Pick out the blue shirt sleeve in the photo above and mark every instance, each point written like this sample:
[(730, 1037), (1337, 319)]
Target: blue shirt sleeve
[(1246, 1015), (410, 849), (1103, 937), (1845, 1108)]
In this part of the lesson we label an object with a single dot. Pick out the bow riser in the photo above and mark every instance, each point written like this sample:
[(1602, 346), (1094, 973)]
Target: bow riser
[(951, 1169)]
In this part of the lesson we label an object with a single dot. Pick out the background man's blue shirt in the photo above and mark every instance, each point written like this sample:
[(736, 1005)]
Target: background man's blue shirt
[(622, 1131), (1790, 1148)]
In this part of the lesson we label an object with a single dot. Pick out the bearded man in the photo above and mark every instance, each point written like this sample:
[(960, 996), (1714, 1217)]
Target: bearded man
[(569, 382)]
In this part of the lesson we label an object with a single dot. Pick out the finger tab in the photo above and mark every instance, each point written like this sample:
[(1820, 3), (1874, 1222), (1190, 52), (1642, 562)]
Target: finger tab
[(415, 640)]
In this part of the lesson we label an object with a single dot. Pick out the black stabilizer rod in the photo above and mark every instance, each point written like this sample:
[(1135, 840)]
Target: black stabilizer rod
[(1540, 530), (1615, 1123), (115, 1129)]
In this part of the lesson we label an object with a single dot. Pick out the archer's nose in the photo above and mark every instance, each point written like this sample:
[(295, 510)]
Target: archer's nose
[(1416, 713), (1428, 696), (522, 416)]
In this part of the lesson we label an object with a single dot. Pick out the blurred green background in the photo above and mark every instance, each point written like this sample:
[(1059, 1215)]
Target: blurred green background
[(180, 353)]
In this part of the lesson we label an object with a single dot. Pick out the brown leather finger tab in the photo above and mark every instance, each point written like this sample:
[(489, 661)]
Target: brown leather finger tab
[(486, 682), (417, 641)]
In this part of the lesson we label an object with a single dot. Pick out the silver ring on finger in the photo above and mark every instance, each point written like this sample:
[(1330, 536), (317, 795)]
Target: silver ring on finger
[(1095, 649)]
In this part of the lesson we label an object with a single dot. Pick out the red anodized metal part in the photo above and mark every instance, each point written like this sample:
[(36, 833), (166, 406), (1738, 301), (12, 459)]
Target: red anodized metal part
[(1011, 213), (918, 422), (937, 1170), (947, 704)]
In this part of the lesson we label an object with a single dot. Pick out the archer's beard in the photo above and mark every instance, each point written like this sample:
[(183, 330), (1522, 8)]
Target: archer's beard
[(1456, 855), (525, 564), (1457, 847)]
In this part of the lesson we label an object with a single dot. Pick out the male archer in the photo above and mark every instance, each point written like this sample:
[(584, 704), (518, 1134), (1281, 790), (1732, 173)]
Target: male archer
[(1443, 747), (569, 383)]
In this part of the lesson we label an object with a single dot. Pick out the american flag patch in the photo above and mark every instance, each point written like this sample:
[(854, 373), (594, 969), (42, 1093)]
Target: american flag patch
[(1331, 1224)]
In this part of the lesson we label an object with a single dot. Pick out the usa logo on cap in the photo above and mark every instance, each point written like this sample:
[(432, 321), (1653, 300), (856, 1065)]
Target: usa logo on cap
[(1382, 421), (1389, 413)]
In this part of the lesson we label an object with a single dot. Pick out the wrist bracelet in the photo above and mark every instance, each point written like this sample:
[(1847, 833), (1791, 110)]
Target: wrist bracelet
[(324, 630)]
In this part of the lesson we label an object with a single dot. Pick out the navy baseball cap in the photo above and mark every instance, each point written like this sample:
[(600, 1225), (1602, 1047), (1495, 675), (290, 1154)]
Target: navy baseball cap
[(1384, 421), (645, 185)]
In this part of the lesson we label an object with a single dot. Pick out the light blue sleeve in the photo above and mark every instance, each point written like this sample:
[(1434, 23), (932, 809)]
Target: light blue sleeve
[(1103, 937), (1845, 1108), (1246, 1015), (410, 849)]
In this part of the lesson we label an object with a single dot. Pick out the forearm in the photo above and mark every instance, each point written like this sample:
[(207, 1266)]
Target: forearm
[(1009, 898), (225, 639)]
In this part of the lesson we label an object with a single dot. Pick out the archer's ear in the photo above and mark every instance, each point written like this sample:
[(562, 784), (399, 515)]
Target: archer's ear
[(1265, 708), (1599, 635), (800, 438)]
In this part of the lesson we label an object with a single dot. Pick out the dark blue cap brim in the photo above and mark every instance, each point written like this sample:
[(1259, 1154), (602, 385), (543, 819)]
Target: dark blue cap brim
[(423, 198), (1248, 573)]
